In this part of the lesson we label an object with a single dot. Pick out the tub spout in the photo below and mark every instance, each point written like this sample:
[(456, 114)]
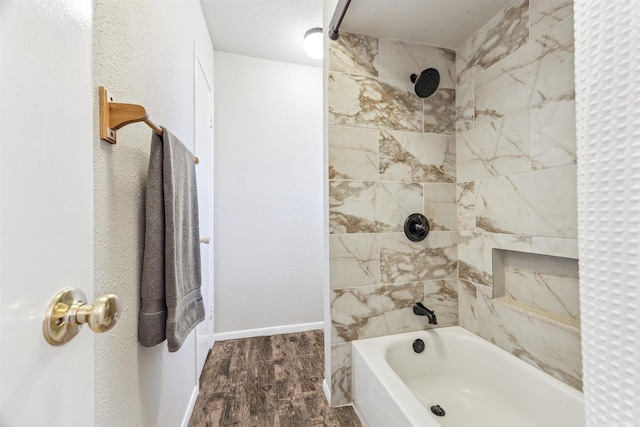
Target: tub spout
[(420, 310)]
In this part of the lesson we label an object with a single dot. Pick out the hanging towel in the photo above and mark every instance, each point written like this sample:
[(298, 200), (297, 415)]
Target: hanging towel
[(171, 301)]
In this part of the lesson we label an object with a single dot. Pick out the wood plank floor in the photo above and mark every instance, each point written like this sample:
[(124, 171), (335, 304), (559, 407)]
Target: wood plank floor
[(267, 381)]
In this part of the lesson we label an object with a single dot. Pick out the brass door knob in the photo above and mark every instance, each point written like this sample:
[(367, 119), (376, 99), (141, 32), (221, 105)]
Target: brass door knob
[(102, 315), (68, 311)]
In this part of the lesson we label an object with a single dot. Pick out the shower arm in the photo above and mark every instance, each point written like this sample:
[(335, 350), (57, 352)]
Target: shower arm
[(338, 16)]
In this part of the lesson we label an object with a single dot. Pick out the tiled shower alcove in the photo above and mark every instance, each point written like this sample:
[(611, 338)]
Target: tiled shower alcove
[(490, 159), (543, 285)]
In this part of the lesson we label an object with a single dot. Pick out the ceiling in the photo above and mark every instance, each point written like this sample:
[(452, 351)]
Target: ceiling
[(274, 29)]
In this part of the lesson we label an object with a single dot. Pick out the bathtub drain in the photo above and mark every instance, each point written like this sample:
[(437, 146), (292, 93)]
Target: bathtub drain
[(436, 409)]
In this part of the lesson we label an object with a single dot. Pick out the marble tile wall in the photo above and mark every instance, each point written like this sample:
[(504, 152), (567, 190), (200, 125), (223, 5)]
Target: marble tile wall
[(516, 182), (391, 154)]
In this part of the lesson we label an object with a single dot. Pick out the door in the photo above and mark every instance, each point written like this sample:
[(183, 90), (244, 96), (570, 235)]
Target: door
[(203, 128), (46, 207)]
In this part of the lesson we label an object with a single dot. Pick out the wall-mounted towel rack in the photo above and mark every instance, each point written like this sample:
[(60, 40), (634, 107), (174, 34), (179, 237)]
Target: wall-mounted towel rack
[(114, 115)]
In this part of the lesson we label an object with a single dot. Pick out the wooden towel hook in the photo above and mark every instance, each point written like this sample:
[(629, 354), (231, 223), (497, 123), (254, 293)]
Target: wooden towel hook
[(114, 115)]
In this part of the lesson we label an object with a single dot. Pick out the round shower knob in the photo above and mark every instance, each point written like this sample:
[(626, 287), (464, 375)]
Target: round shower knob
[(416, 227), (68, 311)]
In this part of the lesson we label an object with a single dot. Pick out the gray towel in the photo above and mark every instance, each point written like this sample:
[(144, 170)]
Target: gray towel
[(171, 302)]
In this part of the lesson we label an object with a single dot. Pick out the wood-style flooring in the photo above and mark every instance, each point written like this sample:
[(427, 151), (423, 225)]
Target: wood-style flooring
[(267, 381)]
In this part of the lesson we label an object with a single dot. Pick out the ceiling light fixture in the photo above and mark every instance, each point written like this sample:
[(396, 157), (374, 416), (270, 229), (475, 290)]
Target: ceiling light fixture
[(313, 43)]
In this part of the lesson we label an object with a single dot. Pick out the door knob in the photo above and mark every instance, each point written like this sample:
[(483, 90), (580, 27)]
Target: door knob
[(68, 311)]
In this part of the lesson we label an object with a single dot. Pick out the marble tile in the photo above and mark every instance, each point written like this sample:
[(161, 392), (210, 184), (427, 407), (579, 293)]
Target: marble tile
[(547, 345), (354, 54), (352, 207), (553, 134), (497, 148), (466, 205), (472, 263), (556, 246), (356, 314), (417, 157), (353, 153), (395, 202), (354, 260), (540, 71), (475, 253), (367, 312), (557, 294), (555, 77), (440, 206), (463, 59), (398, 60), (503, 34), (546, 14), (397, 305), (340, 374), (441, 296), (540, 203), (467, 311), (464, 107), (404, 261), (507, 85), (440, 112), (373, 103), (370, 207)]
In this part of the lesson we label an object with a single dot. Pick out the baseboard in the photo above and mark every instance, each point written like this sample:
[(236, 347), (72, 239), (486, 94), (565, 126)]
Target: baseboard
[(327, 391), (274, 330), (360, 417), (192, 404)]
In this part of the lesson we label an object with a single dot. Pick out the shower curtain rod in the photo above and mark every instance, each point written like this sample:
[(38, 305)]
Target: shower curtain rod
[(114, 115), (338, 16)]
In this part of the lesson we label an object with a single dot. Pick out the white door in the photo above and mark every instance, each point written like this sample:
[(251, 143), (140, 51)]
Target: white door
[(203, 125), (46, 207)]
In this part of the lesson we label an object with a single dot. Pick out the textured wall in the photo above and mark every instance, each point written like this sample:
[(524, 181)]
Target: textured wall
[(390, 154), (516, 184), (268, 188), (608, 101), (143, 53)]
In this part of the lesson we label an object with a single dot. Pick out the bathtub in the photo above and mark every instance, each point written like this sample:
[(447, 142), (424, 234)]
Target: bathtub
[(475, 382)]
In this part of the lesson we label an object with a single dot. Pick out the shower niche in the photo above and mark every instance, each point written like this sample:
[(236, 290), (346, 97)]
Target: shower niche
[(542, 285)]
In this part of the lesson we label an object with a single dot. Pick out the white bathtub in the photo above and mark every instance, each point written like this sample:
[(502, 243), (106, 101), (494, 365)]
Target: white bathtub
[(475, 382)]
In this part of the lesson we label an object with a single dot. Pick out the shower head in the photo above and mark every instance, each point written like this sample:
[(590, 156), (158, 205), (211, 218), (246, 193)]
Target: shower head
[(426, 83)]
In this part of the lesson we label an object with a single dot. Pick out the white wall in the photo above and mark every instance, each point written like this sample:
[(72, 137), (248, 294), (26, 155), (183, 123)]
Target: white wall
[(268, 193), (143, 53), (608, 130)]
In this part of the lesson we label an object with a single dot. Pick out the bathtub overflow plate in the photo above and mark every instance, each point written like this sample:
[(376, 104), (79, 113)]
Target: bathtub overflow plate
[(436, 409)]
